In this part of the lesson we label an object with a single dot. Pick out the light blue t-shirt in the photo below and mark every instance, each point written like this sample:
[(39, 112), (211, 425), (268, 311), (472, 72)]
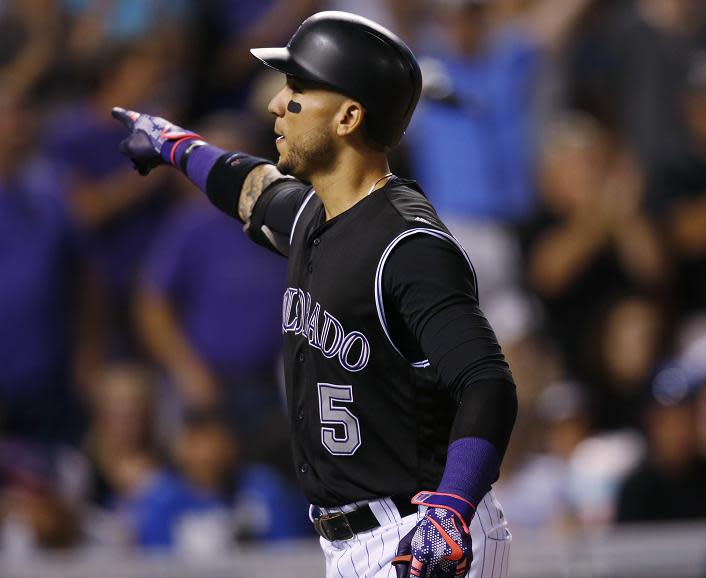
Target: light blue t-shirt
[(156, 511), (475, 158), (133, 18)]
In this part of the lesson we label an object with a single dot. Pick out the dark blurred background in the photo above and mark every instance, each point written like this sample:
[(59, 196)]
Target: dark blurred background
[(141, 406)]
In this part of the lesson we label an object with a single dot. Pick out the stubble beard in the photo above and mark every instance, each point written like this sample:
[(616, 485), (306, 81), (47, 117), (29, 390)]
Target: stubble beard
[(312, 153)]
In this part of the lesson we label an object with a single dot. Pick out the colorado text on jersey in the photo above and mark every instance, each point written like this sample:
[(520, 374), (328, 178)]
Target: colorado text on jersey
[(327, 335)]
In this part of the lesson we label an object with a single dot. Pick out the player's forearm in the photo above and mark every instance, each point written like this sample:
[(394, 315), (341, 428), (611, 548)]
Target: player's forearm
[(232, 181), (479, 437), (487, 410)]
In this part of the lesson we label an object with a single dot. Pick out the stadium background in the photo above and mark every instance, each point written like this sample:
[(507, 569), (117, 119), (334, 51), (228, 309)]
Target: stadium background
[(142, 429)]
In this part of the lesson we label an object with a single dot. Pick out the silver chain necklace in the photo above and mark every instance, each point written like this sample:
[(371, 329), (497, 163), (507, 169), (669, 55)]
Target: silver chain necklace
[(376, 182)]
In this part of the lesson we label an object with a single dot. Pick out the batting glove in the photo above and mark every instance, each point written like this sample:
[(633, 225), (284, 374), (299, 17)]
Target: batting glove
[(439, 546), (152, 140)]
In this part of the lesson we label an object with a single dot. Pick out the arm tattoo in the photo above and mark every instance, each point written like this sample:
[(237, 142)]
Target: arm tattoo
[(261, 177)]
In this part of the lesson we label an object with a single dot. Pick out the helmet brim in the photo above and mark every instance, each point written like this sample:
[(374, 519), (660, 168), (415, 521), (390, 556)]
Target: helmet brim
[(279, 59)]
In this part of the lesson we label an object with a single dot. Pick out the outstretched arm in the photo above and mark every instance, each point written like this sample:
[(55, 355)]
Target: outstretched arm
[(234, 182)]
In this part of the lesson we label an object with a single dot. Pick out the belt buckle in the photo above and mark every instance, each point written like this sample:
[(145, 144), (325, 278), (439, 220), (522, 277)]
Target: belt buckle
[(340, 530)]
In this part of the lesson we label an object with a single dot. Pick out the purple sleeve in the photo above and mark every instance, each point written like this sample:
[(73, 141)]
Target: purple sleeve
[(199, 164), (472, 465), (162, 263)]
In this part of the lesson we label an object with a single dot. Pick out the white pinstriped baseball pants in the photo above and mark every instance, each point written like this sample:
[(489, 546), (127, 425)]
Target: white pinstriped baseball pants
[(369, 554)]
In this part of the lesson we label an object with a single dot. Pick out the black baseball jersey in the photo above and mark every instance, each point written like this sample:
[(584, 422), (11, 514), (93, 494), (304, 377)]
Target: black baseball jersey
[(370, 417)]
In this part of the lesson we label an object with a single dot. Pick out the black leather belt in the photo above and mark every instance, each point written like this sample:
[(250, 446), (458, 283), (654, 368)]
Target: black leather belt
[(340, 526)]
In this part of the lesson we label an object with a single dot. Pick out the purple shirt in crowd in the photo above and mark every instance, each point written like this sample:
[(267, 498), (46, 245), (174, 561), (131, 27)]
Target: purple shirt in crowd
[(238, 15), (38, 259), (227, 290), (86, 146)]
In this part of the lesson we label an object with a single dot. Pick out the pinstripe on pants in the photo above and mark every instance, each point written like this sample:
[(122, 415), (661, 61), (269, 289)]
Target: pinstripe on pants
[(368, 554)]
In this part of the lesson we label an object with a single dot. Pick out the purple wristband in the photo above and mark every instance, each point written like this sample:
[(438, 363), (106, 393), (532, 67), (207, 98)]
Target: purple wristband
[(172, 149), (199, 164), (472, 465)]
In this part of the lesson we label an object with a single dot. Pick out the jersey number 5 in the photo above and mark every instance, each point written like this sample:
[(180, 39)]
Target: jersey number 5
[(340, 430)]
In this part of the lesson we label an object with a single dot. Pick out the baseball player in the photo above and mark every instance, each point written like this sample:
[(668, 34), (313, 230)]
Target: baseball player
[(400, 401)]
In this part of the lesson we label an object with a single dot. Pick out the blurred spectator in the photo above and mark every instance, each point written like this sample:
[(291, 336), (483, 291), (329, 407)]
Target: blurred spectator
[(40, 490), (49, 334), (630, 65), (671, 483), (95, 24), (212, 498), (409, 19), (535, 362), (518, 324), (678, 194), (592, 243), (206, 301), (690, 346), (123, 423), (574, 470), (116, 208), (632, 336), (225, 67), (562, 417), (209, 307), (597, 467), (701, 420), (30, 33), (471, 140), (573, 474)]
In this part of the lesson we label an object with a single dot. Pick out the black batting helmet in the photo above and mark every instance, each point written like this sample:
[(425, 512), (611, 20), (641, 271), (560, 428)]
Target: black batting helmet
[(360, 59)]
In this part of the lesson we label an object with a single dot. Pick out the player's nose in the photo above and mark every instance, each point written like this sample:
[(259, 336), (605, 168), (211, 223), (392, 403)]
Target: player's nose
[(276, 105)]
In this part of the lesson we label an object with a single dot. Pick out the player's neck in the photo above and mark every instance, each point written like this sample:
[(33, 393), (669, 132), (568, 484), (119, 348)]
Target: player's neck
[(350, 181)]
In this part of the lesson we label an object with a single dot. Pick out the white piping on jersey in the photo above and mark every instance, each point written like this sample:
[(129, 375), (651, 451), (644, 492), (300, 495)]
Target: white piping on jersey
[(378, 280), (299, 214)]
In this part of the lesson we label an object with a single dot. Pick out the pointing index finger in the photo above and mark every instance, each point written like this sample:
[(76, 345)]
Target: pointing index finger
[(126, 117)]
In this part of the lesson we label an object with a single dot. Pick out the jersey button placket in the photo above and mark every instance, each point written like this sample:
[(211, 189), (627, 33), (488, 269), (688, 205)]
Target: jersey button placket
[(317, 242), (304, 468), (300, 357)]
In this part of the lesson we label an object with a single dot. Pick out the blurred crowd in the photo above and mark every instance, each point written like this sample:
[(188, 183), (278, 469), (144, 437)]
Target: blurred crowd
[(564, 143)]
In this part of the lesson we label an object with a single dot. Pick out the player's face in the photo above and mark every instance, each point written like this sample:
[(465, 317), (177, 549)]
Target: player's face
[(304, 123)]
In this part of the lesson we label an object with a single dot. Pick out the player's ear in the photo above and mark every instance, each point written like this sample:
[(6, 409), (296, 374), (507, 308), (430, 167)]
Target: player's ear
[(350, 117)]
